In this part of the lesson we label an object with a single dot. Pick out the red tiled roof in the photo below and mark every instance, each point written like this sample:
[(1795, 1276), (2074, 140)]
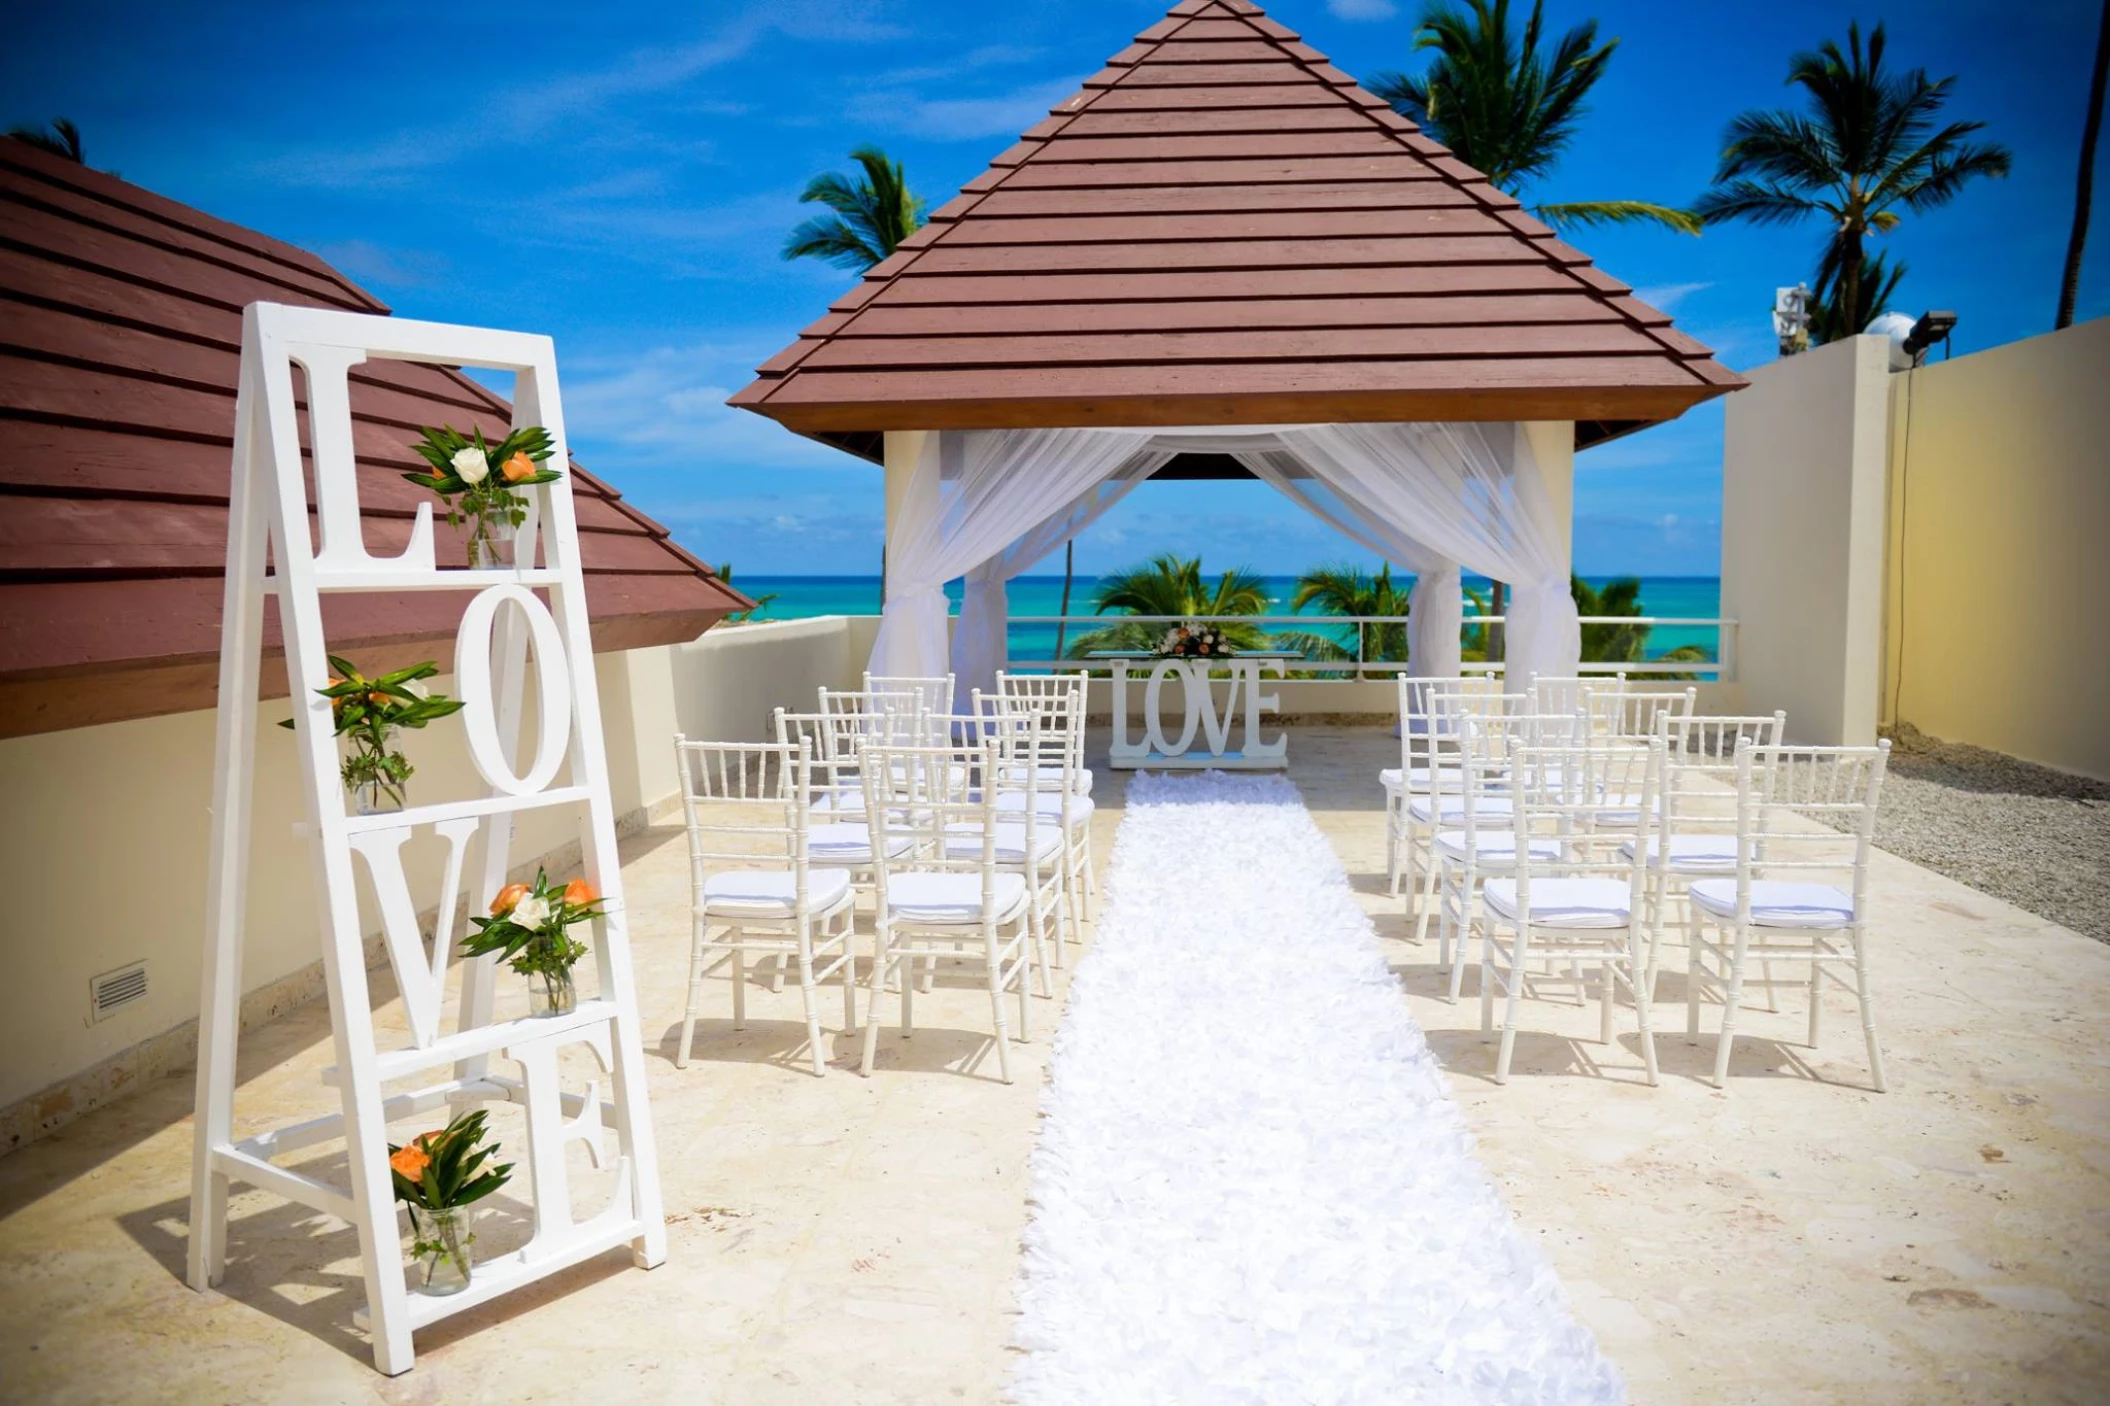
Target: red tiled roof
[(1222, 228), (120, 339)]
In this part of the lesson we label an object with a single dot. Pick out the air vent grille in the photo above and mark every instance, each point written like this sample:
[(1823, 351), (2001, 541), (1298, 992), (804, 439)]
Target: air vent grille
[(114, 990)]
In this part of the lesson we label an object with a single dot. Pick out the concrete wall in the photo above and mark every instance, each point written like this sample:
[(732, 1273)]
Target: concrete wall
[(1999, 570), (1803, 505), (729, 682), (106, 830)]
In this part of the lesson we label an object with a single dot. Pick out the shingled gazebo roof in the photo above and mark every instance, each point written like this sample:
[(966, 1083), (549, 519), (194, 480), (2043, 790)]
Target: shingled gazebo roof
[(1222, 228), (120, 342)]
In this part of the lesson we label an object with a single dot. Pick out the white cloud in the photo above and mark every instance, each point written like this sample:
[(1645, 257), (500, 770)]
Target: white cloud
[(666, 410), (964, 119), (1667, 296), (1355, 10), (364, 261)]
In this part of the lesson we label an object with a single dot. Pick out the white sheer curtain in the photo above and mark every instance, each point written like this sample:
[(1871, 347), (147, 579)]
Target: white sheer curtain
[(978, 636), (1434, 496), (972, 494)]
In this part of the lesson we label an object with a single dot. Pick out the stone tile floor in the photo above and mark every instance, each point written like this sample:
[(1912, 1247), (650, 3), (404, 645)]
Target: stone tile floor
[(1795, 1237)]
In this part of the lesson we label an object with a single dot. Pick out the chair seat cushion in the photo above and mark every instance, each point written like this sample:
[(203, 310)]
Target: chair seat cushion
[(772, 893), (952, 898), (1495, 808), (1044, 803), (1417, 780), (963, 840), (843, 845), (1565, 903), (1778, 904), (1046, 775), (1621, 812), (1691, 854), (1498, 849)]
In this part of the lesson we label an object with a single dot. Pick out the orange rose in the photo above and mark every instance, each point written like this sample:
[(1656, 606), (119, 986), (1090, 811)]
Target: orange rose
[(379, 700), (578, 893), (507, 898), (410, 1161), (518, 467)]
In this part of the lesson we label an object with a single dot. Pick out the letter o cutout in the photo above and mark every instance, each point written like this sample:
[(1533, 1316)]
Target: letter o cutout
[(472, 672), (1153, 722)]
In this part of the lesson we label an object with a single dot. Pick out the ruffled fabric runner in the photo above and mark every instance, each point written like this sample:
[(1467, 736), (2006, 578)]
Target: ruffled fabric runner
[(1250, 1184)]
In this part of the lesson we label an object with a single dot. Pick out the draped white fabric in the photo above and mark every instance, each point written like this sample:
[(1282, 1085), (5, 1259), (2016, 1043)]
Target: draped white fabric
[(972, 494), (978, 636), (1448, 494), (1431, 497)]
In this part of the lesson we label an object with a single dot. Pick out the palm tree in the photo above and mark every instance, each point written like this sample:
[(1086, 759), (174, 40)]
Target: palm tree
[(61, 138), (1505, 108), (1172, 585), (762, 602), (2084, 185), (1866, 148), (1830, 319), (873, 214), (1610, 644), (1349, 590)]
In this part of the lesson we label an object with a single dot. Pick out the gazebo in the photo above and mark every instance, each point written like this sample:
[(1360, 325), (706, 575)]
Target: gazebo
[(1222, 258)]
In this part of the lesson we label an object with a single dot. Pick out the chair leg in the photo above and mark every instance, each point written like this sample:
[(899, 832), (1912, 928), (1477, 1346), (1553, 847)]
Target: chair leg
[(1730, 1001), (1392, 844), (996, 1006), (1024, 972), (1765, 974), (1659, 900), (1428, 893), (688, 1013), (849, 970), (1463, 927), (1604, 1001), (1641, 1009), (1868, 1012), (776, 974), (877, 983), (1694, 972), (739, 984), (807, 996), (1816, 1000), (1487, 974), (908, 995), (1518, 955)]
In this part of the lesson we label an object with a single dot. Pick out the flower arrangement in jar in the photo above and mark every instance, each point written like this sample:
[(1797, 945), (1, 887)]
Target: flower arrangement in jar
[(439, 1175), (367, 712), (1190, 640), (480, 483), (530, 928)]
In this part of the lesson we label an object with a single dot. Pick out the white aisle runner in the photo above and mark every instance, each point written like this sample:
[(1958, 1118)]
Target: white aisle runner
[(1250, 1184)]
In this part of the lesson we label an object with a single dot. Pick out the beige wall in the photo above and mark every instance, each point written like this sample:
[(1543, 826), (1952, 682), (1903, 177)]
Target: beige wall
[(106, 830), (727, 684), (1802, 538), (1999, 570)]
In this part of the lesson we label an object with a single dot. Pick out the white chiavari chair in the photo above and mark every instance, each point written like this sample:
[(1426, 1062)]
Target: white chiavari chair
[(754, 888), (1631, 714), (1558, 694), (1038, 743), (1434, 753), (1475, 841), (1411, 776), (1808, 812), (1696, 838), (1073, 683), (1583, 905), (950, 890), (933, 697)]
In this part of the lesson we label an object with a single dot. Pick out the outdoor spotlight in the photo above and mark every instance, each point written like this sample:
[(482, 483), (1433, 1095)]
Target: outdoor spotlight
[(1931, 328)]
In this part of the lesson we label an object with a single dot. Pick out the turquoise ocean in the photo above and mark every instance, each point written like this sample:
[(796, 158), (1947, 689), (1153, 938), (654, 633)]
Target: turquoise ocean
[(800, 597)]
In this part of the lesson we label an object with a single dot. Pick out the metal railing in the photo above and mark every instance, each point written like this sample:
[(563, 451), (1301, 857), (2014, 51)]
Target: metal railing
[(1720, 669)]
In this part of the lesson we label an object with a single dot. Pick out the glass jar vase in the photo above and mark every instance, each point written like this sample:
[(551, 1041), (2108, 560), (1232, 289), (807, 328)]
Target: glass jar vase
[(552, 993), (492, 542), (439, 1254)]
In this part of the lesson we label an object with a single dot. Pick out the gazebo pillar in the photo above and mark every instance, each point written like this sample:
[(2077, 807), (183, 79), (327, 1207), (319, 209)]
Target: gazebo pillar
[(903, 449), (1553, 450)]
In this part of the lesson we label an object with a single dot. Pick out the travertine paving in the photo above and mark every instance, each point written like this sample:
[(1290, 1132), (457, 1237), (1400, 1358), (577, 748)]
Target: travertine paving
[(1794, 1237)]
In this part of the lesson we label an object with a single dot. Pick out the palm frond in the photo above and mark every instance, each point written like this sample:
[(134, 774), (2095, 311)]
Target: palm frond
[(61, 139), (873, 213), (1583, 214)]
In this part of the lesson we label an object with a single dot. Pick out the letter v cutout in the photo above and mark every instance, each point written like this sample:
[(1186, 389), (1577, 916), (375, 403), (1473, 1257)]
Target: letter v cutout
[(421, 977)]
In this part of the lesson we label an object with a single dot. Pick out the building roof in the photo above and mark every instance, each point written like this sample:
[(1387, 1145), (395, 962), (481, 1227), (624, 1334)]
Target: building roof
[(1222, 228), (120, 340)]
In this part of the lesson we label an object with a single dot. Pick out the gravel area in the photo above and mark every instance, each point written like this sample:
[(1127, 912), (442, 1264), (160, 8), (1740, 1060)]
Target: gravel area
[(2038, 838)]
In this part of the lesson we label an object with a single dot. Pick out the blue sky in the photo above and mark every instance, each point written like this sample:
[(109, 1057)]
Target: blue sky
[(622, 176)]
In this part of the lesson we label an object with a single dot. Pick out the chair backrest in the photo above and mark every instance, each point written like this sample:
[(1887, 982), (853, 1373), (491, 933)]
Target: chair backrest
[(1558, 791), (1554, 694), (832, 739), (856, 716), (919, 794), (1699, 767), (1808, 813), (1434, 747), (1044, 728), (745, 805), (1634, 714), (1041, 685), (933, 696)]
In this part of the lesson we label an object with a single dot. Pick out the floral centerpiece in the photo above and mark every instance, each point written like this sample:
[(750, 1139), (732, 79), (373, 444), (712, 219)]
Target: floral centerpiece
[(530, 927), (367, 713), (480, 483), (1190, 640), (439, 1175)]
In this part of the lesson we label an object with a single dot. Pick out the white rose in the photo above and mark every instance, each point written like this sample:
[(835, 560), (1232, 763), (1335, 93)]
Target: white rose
[(530, 913), (418, 689), (470, 465)]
